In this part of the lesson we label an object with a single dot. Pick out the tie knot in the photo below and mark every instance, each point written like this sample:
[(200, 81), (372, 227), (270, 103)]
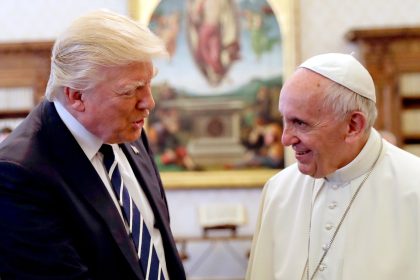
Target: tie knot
[(108, 153)]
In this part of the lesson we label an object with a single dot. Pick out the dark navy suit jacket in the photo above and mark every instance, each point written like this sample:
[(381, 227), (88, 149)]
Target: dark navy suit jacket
[(57, 220)]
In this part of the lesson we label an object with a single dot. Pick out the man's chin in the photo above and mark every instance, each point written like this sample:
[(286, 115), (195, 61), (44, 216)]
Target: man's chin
[(130, 137), (134, 136), (307, 170)]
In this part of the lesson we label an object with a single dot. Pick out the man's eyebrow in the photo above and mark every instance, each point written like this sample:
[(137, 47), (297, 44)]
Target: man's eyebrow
[(131, 86)]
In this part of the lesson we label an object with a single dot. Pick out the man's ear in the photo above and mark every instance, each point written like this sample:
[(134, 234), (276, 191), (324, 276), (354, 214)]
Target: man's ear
[(356, 126), (74, 99)]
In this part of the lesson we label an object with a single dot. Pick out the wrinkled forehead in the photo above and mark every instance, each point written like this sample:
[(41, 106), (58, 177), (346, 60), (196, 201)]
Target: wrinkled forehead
[(145, 68), (303, 87)]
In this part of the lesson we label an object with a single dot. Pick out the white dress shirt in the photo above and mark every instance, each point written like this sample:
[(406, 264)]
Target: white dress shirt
[(91, 144)]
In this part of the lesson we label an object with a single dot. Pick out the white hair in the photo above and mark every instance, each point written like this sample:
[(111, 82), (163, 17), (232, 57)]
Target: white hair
[(341, 101), (96, 40)]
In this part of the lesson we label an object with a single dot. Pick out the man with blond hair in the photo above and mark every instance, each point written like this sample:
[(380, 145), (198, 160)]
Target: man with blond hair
[(80, 194)]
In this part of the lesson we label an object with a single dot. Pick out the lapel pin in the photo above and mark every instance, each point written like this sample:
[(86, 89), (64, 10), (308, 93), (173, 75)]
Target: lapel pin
[(135, 150)]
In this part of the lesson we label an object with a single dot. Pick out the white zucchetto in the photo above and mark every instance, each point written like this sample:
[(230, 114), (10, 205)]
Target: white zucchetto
[(345, 70)]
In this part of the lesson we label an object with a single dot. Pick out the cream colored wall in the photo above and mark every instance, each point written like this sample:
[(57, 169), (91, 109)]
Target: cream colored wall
[(323, 24), (23, 20)]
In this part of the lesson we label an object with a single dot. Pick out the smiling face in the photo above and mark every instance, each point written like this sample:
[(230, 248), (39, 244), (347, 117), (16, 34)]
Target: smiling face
[(116, 107), (316, 135)]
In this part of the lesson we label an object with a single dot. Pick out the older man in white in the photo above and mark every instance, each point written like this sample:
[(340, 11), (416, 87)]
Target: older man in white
[(350, 207)]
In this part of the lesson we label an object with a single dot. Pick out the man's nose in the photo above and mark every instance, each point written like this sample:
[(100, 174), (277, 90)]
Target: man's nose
[(146, 101), (288, 137)]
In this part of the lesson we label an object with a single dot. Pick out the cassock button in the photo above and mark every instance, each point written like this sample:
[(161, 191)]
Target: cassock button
[(322, 267), (332, 205), (325, 247), (334, 187), (328, 226)]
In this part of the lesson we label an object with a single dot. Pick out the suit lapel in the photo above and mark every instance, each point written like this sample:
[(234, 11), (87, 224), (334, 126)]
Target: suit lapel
[(69, 154)]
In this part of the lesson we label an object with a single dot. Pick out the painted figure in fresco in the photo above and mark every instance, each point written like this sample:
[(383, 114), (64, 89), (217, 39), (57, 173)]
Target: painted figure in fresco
[(163, 132), (261, 38), (213, 36), (168, 29)]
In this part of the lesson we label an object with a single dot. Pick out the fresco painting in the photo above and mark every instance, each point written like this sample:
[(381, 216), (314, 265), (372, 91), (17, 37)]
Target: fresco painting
[(217, 93)]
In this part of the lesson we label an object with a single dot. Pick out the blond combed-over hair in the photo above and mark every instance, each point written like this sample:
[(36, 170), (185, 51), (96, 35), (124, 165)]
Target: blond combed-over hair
[(96, 40)]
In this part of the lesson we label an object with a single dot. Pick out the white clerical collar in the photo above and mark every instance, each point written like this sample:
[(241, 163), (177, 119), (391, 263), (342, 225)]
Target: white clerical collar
[(89, 143), (361, 164)]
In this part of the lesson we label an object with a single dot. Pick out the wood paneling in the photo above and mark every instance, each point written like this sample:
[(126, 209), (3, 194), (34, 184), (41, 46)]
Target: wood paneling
[(389, 53), (25, 64)]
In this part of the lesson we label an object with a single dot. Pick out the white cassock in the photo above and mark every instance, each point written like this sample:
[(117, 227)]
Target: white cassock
[(379, 238)]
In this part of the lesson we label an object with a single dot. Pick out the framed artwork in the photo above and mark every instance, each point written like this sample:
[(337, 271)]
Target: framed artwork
[(216, 120)]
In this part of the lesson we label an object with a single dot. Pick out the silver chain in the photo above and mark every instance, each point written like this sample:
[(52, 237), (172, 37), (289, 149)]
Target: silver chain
[(339, 224)]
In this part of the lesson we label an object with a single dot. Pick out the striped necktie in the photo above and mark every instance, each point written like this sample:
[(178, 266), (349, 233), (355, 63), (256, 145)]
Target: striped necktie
[(146, 252)]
